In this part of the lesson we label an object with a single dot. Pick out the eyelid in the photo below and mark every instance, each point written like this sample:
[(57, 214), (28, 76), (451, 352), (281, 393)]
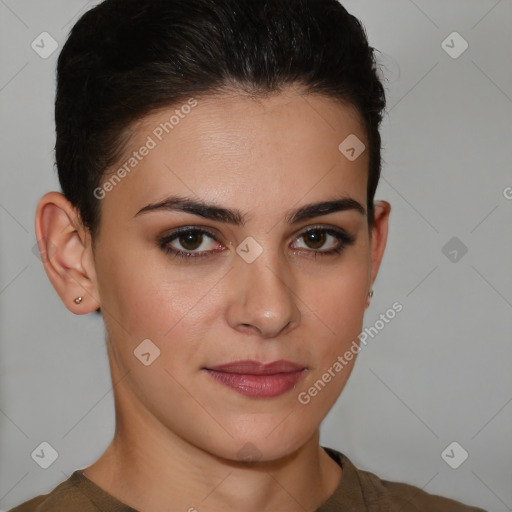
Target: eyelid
[(186, 229), (325, 227), (330, 229)]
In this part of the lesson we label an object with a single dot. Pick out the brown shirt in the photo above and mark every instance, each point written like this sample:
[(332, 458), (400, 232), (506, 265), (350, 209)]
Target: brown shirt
[(358, 491)]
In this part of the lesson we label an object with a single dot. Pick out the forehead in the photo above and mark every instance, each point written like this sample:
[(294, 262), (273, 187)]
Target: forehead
[(245, 121), (232, 147)]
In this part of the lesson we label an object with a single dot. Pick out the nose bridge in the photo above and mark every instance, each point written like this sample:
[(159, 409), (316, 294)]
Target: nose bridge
[(265, 298)]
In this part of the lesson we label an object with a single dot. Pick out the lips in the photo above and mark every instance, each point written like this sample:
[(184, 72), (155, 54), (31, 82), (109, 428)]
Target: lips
[(256, 379), (250, 367)]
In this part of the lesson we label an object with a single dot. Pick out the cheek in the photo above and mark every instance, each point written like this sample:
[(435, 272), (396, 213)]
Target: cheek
[(337, 305), (164, 305), (338, 299), (144, 295)]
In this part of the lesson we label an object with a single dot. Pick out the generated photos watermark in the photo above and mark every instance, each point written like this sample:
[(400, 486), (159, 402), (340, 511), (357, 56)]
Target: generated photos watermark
[(157, 135), (337, 366)]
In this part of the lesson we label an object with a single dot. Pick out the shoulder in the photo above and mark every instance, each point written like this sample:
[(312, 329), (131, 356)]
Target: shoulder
[(401, 496), (370, 493), (64, 498)]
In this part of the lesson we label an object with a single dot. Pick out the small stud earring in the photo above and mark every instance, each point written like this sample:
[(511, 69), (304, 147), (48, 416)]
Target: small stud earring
[(370, 293), (78, 300)]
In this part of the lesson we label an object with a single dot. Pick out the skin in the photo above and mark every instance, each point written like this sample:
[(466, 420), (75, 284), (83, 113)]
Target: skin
[(178, 431)]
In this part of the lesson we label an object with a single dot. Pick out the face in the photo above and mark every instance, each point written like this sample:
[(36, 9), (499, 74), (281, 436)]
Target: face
[(184, 288)]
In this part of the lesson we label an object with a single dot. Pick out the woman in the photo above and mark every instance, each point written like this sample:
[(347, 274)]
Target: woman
[(218, 162)]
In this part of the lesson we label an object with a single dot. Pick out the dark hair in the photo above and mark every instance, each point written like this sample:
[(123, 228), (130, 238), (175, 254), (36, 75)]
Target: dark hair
[(127, 58)]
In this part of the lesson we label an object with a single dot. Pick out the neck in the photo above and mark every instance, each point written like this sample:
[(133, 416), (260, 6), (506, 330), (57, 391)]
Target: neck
[(156, 471)]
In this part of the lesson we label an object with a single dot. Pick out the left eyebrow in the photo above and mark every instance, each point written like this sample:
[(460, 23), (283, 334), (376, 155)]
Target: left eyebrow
[(238, 218)]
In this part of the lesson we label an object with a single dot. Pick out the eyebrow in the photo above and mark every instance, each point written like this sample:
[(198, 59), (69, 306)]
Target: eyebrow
[(238, 218)]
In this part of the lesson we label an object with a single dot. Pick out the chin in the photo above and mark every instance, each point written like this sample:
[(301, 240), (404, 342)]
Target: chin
[(256, 445)]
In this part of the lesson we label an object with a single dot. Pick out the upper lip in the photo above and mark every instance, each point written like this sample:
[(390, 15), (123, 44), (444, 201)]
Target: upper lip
[(250, 367)]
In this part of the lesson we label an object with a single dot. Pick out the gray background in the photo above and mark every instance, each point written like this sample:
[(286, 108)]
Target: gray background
[(438, 372)]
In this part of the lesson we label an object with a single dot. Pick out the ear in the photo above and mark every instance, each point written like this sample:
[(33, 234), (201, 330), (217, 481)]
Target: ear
[(66, 251), (382, 209)]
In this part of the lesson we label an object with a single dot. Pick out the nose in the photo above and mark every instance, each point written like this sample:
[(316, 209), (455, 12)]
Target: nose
[(262, 299)]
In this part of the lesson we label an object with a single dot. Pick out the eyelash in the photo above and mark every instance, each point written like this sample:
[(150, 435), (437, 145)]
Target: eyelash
[(341, 235)]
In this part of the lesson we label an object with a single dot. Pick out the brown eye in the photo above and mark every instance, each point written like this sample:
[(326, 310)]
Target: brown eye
[(190, 240), (190, 243), (331, 240), (186, 242), (315, 239)]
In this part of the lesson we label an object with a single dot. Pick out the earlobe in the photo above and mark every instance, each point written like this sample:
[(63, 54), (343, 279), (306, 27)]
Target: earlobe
[(382, 209), (63, 244), (369, 298)]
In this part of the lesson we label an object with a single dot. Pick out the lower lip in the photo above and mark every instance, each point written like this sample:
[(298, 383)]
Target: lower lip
[(259, 386)]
